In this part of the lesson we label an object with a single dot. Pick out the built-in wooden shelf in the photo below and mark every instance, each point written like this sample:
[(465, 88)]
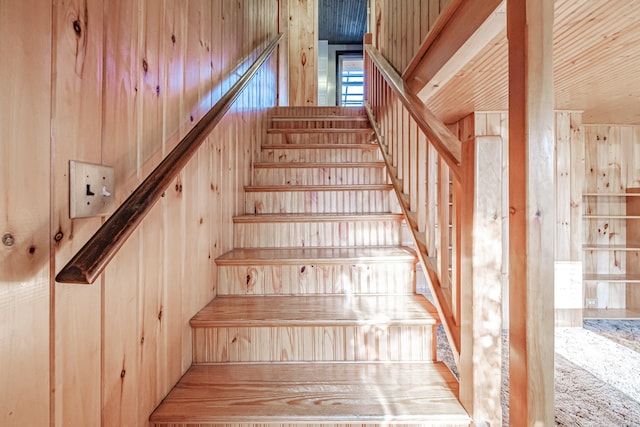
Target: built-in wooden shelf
[(612, 278), (630, 247), (610, 216), (611, 194), (611, 313), (627, 208)]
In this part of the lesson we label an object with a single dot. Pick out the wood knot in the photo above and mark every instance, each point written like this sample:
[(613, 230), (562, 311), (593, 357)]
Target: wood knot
[(77, 28), (123, 373), (173, 38), (8, 240), (145, 65)]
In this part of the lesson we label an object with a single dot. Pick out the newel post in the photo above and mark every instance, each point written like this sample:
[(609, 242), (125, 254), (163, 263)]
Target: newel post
[(481, 279)]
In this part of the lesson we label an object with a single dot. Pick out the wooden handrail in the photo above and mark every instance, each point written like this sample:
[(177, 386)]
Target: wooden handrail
[(91, 260), (444, 141)]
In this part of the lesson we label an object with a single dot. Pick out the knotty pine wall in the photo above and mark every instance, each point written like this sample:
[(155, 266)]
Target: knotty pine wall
[(300, 20), (400, 26), (116, 83), (570, 169)]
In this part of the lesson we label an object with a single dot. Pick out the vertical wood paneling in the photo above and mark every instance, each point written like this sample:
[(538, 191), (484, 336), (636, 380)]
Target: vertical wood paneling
[(25, 128), (120, 299), (303, 52), (401, 26), (77, 121)]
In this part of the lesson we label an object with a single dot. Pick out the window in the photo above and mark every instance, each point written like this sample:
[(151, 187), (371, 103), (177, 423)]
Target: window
[(351, 72)]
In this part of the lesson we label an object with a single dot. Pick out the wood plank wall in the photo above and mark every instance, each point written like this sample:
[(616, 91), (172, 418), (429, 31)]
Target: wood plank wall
[(570, 169), (117, 83), (303, 51), (400, 26), (25, 74)]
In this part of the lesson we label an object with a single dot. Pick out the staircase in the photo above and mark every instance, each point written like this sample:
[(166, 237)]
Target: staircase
[(316, 321)]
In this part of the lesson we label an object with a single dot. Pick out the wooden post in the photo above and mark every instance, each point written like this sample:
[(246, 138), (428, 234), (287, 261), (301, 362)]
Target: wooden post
[(481, 280), (532, 211)]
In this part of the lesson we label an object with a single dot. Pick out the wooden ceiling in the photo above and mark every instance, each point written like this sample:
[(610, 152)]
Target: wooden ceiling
[(342, 21), (596, 50)]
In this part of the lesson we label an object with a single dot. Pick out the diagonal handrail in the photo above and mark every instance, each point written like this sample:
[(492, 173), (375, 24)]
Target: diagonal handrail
[(444, 141), (91, 260)]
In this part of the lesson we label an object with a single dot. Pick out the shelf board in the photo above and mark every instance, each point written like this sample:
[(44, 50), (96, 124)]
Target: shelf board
[(627, 247), (610, 216), (611, 313), (610, 194), (618, 278)]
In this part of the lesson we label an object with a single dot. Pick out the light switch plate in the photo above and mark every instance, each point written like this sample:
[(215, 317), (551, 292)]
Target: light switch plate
[(91, 189)]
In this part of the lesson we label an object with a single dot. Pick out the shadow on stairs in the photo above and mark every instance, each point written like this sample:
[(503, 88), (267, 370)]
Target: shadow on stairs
[(316, 321)]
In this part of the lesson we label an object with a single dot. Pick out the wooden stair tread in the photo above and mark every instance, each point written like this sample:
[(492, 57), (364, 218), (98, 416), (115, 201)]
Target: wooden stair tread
[(317, 392), (317, 165), (333, 187), (296, 256), (366, 130), (327, 118), (316, 217), (316, 310), (327, 146)]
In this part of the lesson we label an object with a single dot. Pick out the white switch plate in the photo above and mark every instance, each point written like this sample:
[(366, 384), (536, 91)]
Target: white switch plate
[(91, 189)]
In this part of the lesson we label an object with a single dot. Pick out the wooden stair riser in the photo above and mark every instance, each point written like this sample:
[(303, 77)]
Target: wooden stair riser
[(358, 137), (320, 176), (339, 201), (314, 343), (318, 278), (366, 153), (317, 234), (357, 122)]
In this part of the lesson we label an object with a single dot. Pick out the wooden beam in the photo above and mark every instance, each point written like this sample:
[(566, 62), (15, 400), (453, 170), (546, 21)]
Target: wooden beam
[(532, 211), (462, 23), (481, 274)]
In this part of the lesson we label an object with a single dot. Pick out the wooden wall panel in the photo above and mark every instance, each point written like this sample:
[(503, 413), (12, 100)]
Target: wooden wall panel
[(303, 52), (399, 27), (116, 83), (25, 128), (77, 119)]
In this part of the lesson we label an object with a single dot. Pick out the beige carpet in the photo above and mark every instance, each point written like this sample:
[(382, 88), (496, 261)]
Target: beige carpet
[(597, 374)]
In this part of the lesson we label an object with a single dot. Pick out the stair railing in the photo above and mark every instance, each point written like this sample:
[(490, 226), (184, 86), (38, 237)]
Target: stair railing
[(91, 260), (450, 192)]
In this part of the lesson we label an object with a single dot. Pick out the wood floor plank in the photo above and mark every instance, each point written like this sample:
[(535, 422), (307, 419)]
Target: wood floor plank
[(317, 310), (318, 392), (295, 256)]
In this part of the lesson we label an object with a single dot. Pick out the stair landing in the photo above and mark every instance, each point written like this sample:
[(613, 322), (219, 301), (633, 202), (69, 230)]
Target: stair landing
[(364, 393)]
